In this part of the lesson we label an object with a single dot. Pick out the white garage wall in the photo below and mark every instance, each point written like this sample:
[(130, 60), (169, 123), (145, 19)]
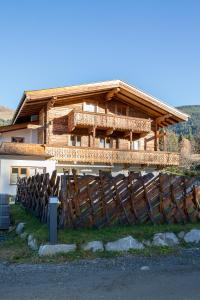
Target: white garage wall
[(5, 168), (29, 135)]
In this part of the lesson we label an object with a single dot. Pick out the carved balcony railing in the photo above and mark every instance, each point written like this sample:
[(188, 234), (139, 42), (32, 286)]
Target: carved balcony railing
[(97, 155), (106, 121)]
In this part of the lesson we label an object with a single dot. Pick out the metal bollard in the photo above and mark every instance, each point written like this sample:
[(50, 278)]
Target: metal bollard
[(53, 206)]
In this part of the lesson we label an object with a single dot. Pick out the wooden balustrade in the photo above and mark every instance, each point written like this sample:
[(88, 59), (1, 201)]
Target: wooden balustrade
[(97, 155), (93, 155), (105, 121)]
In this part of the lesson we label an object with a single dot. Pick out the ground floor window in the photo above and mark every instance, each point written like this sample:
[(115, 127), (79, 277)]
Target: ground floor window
[(17, 139), (20, 172)]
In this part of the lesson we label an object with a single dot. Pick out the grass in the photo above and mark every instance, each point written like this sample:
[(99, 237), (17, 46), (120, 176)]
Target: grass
[(183, 172), (15, 249)]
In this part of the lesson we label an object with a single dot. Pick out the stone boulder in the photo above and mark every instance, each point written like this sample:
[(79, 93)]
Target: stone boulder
[(32, 243), (50, 250), (20, 228), (165, 239), (93, 246), (181, 234), (124, 244), (193, 236)]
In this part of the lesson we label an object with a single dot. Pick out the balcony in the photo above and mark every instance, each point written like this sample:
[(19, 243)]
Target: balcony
[(83, 119), (96, 155)]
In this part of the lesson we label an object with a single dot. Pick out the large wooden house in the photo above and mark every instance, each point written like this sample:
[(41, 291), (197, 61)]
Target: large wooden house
[(108, 125)]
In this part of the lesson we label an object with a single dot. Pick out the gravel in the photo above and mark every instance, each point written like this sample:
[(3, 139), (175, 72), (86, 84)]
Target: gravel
[(167, 277)]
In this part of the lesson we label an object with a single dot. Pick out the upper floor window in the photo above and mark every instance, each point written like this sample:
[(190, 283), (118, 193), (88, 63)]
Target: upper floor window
[(136, 145), (89, 106), (75, 140), (105, 143), (121, 110), (17, 139)]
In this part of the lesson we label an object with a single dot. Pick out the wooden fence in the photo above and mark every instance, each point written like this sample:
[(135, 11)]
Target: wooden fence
[(96, 201)]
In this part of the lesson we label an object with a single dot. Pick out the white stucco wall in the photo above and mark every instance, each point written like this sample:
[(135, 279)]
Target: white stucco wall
[(7, 163), (29, 135)]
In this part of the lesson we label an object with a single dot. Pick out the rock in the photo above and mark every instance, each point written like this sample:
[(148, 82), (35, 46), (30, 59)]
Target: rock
[(145, 268), (165, 239), (20, 228), (193, 236), (32, 243), (147, 243), (181, 234), (24, 235), (93, 246), (124, 244), (49, 250)]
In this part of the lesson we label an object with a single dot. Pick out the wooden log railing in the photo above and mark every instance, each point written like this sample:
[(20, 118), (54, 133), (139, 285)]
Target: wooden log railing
[(97, 201), (100, 120)]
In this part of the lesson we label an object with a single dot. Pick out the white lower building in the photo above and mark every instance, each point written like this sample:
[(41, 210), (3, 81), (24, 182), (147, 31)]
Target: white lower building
[(13, 166)]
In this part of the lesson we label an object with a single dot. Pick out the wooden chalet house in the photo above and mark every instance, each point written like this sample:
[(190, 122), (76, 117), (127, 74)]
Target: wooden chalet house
[(108, 125)]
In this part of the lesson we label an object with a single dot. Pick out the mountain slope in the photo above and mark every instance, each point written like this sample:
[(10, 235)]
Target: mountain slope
[(192, 127), (6, 115)]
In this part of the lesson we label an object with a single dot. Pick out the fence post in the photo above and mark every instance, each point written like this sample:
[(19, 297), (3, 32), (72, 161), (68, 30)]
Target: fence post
[(53, 206)]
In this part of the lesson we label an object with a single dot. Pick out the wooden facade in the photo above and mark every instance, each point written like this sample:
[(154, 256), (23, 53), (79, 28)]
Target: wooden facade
[(109, 123)]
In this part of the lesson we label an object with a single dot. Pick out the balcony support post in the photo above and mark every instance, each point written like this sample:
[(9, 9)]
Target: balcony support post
[(156, 137), (94, 135), (131, 139), (165, 141)]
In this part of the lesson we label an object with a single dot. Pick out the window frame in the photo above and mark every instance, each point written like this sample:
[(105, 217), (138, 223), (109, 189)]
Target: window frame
[(27, 172), (76, 136), (17, 137), (95, 105)]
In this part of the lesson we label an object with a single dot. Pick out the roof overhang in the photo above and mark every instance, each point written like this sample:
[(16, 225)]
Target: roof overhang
[(33, 101), (19, 126)]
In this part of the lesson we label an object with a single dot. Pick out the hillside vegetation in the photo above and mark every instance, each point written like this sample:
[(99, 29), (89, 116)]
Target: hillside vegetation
[(192, 127)]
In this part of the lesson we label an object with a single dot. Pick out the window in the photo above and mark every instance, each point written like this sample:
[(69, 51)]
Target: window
[(136, 145), (105, 143), (132, 112), (17, 139), (20, 172), (121, 110), (75, 140), (91, 107), (111, 108)]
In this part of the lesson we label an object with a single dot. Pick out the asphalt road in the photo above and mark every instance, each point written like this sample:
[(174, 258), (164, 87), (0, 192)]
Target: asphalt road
[(171, 277)]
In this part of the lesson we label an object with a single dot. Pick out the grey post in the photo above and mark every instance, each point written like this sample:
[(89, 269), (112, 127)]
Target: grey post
[(53, 206)]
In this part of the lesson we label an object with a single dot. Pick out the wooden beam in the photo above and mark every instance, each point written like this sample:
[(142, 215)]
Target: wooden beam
[(162, 118), (51, 103), (109, 131), (112, 93)]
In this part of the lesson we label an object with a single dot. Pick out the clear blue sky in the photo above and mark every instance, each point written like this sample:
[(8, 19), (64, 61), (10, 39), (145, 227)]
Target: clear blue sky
[(154, 45)]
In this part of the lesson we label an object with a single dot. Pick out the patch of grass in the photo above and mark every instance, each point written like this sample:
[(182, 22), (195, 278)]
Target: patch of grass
[(106, 234), (33, 225), (15, 249)]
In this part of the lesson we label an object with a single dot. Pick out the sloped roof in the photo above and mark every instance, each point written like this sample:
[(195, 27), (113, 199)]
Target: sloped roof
[(33, 101)]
